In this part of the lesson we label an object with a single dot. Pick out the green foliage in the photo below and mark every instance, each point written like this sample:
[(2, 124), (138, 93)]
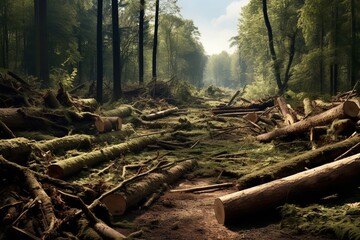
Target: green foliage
[(61, 75)]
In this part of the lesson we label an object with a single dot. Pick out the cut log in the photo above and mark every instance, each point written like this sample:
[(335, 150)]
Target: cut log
[(308, 107), (289, 117), (253, 117), (70, 166), (107, 124), (50, 100), (121, 111), (131, 195), (86, 104), (16, 149), (201, 188), (346, 109), (309, 159), (160, 114), (304, 186)]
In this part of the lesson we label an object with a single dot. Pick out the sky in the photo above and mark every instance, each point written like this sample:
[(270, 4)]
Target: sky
[(216, 20)]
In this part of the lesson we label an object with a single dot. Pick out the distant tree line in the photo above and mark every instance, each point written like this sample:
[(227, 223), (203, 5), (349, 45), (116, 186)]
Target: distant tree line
[(57, 41)]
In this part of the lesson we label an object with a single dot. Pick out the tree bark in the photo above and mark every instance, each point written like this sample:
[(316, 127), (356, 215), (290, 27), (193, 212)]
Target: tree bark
[(129, 196), (154, 75), (99, 52), (107, 124), (141, 42), (308, 107), (304, 186), (161, 114), (70, 166), (289, 117), (346, 109), (309, 159), (121, 111), (116, 50)]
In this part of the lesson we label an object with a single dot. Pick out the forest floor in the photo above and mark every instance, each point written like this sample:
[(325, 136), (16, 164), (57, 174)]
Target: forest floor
[(224, 149)]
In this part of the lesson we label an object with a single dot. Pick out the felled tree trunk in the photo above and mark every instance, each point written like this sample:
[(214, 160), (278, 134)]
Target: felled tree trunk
[(309, 159), (107, 124), (70, 166), (118, 202), (304, 186), (346, 109), (50, 100), (16, 149), (122, 111), (308, 107), (289, 117), (160, 114)]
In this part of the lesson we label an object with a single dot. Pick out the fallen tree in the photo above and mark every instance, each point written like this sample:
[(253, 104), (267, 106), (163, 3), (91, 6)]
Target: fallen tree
[(119, 200), (304, 186), (346, 109), (70, 166), (309, 159), (160, 114)]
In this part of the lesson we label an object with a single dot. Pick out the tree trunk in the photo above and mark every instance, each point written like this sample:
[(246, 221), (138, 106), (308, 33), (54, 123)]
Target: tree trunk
[(272, 49), (70, 166), (308, 107), (289, 117), (307, 160), (107, 124), (346, 109), (304, 186), (42, 62), (161, 114), (99, 53), (141, 42), (17, 149), (129, 196), (154, 75), (353, 69), (121, 111), (116, 50)]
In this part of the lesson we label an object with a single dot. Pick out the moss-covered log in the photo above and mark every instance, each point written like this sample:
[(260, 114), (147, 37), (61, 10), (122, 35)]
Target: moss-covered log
[(346, 109), (304, 186), (70, 166), (131, 195), (121, 111), (299, 163), (16, 149)]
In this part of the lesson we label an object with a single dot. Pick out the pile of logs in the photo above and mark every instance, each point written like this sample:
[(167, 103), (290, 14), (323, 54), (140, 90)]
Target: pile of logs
[(310, 176)]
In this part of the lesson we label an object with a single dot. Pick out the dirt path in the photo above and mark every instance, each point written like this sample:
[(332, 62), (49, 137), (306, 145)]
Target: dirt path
[(191, 216)]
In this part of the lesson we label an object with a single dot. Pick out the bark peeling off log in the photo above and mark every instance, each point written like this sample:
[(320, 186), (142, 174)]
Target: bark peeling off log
[(131, 195), (70, 166), (304, 186)]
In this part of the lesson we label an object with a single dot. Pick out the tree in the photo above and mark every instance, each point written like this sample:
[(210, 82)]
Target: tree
[(141, 42), (116, 50), (41, 55), (155, 44), (99, 52)]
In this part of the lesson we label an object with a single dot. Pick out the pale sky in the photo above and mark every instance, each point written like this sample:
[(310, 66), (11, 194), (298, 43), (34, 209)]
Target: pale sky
[(216, 20)]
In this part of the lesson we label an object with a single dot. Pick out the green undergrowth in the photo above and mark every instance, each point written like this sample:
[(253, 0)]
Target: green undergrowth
[(341, 221)]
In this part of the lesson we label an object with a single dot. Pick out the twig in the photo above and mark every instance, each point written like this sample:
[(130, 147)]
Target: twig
[(6, 130), (26, 233), (207, 187), (354, 88), (105, 169), (349, 150), (233, 98)]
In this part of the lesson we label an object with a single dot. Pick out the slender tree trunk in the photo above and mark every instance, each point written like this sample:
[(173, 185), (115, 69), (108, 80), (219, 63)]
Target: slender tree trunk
[(80, 73), (116, 50), (99, 53), (291, 58), (334, 65), (272, 49), (321, 63), (141, 42), (155, 40), (5, 37), (42, 65), (353, 44)]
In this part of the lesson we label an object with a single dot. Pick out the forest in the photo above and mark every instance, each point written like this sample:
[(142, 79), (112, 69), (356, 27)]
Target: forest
[(115, 122)]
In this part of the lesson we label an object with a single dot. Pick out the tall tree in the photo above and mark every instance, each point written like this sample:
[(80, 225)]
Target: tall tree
[(116, 50), (41, 55), (99, 52), (353, 44), (272, 49), (141, 42), (155, 44)]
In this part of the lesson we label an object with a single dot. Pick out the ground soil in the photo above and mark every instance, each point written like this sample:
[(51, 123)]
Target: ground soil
[(191, 216)]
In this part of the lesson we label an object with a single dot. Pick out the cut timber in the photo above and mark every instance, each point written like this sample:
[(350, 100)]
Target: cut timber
[(87, 104), (16, 149), (289, 117), (118, 202), (309, 159), (70, 166), (253, 117), (233, 98), (346, 109), (107, 124), (308, 107), (160, 114), (304, 186), (121, 111)]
